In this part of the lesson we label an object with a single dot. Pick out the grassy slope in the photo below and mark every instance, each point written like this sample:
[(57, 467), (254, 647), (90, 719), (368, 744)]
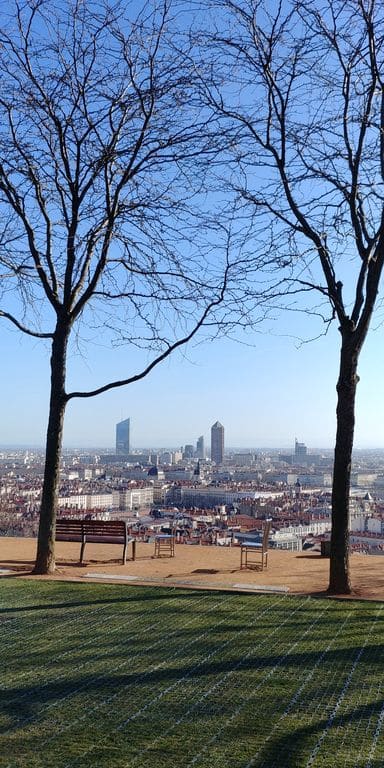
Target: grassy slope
[(113, 676)]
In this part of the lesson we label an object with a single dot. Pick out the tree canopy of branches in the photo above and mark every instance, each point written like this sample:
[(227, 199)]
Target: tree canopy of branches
[(300, 83), (103, 156)]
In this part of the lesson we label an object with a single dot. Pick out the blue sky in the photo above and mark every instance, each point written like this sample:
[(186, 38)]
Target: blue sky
[(265, 392), (264, 395)]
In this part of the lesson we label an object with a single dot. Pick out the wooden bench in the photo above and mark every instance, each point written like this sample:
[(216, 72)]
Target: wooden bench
[(95, 532)]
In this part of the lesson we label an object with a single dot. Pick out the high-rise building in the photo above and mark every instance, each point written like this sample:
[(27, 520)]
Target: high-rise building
[(188, 452), (300, 449), (200, 452), (122, 437), (217, 443)]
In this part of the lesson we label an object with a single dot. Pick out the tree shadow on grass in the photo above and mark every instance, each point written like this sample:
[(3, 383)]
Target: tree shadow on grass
[(130, 594), (294, 746), (25, 702), (281, 750)]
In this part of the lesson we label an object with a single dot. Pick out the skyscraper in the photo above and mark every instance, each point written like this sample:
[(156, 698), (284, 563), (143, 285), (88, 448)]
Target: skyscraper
[(188, 452), (300, 450), (122, 437), (217, 443), (200, 452)]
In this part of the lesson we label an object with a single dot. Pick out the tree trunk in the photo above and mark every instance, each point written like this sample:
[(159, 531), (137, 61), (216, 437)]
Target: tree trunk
[(339, 578), (45, 557)]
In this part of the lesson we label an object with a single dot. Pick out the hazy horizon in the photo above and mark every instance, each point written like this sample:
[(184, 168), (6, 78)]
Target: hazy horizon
[(172, 447)]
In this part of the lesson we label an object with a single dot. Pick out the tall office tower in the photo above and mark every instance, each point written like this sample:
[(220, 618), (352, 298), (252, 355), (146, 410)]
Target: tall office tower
[(122, 437), (217, 443), (300, 450), (188, 452), (200, 448)]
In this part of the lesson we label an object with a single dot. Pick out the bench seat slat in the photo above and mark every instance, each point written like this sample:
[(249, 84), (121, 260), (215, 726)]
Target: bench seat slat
[(69, 537), (98, 538)]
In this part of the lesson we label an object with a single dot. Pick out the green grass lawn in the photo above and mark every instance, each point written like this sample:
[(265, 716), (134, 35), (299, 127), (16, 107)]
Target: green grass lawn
[(121, 676)]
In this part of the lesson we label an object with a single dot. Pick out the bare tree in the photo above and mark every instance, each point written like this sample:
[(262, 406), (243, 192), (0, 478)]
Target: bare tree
[(103, 152), (301, 85)]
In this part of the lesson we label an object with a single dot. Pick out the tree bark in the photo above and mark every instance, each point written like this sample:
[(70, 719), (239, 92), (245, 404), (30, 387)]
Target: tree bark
[(339, 577), (45, 557)]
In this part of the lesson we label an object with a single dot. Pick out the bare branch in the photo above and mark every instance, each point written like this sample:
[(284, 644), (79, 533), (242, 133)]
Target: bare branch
[(160, 358), (23, 328)]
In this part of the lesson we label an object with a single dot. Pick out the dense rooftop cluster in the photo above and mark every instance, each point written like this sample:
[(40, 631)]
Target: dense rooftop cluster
[(202, 502)]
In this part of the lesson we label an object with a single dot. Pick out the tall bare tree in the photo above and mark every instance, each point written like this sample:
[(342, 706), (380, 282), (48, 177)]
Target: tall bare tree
[(103, 154), (301, 84)]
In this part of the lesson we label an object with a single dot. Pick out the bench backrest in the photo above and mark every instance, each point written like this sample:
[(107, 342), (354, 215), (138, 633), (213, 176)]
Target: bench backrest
[(112, 528), (266, 529), (105, 527), (69, 527)]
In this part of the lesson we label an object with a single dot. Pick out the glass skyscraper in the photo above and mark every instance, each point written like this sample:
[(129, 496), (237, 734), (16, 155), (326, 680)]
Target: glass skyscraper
[(122, 437), (200, 452)]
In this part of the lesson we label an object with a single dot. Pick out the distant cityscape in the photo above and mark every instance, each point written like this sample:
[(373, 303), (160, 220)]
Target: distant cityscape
[(207, 495), (189, 451)]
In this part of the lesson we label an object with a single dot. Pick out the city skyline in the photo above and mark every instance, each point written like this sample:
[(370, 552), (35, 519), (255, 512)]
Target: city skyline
[(265, 394)]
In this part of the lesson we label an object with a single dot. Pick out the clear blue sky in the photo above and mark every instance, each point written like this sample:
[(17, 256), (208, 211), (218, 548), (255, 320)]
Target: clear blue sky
[(265, 395)]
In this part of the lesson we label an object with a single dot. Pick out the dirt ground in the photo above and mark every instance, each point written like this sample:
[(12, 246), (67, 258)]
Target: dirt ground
[(194, 566)]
